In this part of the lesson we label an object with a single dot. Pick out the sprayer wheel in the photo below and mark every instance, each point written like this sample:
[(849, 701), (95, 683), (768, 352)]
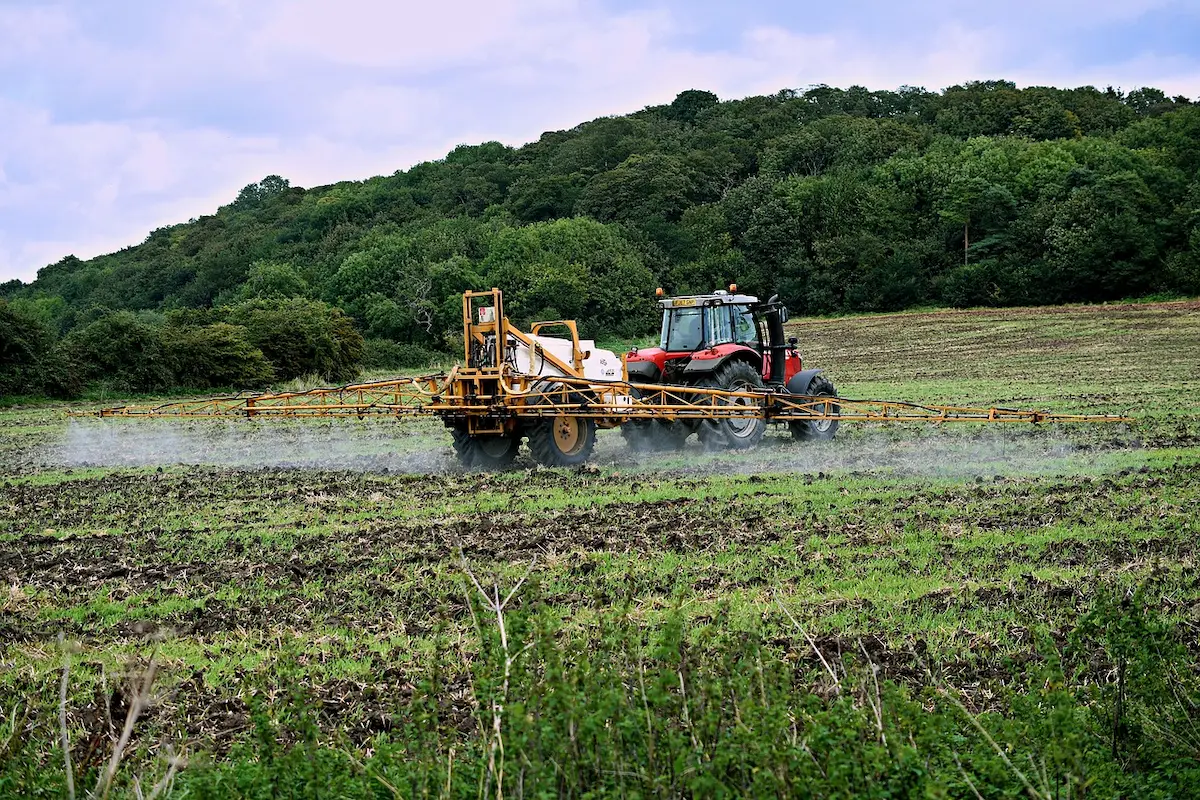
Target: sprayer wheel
[(562, 440), (817, 430), (484, 452), (735, 433)]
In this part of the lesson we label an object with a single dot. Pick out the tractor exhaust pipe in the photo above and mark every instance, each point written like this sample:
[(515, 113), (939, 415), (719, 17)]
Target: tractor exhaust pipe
[(777, 345)]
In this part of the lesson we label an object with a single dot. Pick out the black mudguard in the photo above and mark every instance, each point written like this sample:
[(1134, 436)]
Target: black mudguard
[(800, 381), (696, 368), (643, 372)]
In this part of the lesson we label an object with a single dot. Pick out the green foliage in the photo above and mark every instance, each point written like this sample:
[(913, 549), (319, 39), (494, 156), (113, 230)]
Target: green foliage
[(572, 269), (31, 362), (690, 104), (122, 351), (617, 709), (1137, 676), (256, 194), (300, 337), (388, 354), (271, 279), (642, 188), (217, 355)]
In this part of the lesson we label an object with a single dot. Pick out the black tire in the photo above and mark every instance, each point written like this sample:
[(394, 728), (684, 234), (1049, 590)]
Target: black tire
[(648, 435), (484, 452), (562, 440), (817, 430), (734, 433)]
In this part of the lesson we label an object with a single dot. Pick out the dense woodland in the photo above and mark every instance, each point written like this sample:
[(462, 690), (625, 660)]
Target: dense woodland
[(840, 200)]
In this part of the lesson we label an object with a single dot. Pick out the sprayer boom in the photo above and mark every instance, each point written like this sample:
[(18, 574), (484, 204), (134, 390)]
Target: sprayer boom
[(613, 402), (558, 391)]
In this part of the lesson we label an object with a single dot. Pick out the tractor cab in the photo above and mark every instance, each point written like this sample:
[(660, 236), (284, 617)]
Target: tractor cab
[(702, 333), (695, 323)]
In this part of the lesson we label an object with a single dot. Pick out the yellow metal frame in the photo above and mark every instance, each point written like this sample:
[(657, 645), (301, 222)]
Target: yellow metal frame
[(479, 396)]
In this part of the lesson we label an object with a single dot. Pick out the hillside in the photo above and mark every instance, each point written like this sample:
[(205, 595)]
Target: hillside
[(840, 200)]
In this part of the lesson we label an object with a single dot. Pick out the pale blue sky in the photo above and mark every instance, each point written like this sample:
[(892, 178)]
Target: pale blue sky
[(120, 117)]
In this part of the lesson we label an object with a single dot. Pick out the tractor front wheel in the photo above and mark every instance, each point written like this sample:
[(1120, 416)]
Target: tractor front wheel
[(644, 435), (484, 452), (647, 435), (818, 429), (735, 432)]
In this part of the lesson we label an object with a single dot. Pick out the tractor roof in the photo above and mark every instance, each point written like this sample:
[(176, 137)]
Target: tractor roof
[(719, 297)]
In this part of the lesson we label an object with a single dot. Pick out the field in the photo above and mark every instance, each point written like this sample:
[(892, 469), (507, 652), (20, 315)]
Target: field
[(906, 611)]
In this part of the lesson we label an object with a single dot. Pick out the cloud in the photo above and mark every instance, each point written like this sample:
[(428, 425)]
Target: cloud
[(115, 120)]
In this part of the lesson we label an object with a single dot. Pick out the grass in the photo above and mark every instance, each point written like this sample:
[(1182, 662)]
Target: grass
[(316, 606)]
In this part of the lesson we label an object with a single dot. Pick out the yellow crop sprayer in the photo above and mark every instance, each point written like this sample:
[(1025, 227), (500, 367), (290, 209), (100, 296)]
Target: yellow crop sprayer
[(722, 370)]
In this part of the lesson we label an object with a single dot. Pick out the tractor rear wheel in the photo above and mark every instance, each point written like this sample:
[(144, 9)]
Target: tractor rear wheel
[(562, 440), (737, 433), (818, 429), (484, 452)]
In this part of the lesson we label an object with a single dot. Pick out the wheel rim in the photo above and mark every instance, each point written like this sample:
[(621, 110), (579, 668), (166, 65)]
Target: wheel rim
[(741, 427), (568, 434), (494, 446), (823, 425)]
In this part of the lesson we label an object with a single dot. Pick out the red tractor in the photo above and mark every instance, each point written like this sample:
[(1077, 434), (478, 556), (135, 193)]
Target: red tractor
[(724, 340)]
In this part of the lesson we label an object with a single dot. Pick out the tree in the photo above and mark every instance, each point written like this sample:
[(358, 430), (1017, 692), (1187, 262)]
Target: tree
[(220, 355), (1042, 116), (575, 268), (301, 337), (30, 361), (536, 198), (121, 350), (979, 108), (373, 269), (273, 279), (641, 188), (839, 141), (255, 195), (773, 192), (689, 105)]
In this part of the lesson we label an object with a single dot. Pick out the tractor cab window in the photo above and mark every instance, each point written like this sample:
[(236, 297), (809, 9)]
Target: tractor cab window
[(744, 329), (720, 325), (682, 330)]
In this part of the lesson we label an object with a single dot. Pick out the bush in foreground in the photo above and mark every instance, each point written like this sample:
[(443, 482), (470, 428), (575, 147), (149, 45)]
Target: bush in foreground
[(620, 710), (121, 350)]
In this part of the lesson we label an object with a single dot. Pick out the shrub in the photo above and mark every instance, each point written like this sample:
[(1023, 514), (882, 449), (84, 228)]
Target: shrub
[(121, 350), (215, 355), (30, 360), (388, 354), (301, 337)]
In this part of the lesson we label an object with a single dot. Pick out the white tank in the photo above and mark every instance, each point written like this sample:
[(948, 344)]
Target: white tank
[(598, 365)]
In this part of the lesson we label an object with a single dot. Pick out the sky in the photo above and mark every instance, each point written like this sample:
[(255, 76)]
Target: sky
[(119, 117)]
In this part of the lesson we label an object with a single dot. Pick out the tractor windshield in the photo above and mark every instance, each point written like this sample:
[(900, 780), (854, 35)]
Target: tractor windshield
[(682, 329)]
